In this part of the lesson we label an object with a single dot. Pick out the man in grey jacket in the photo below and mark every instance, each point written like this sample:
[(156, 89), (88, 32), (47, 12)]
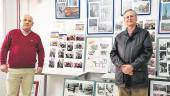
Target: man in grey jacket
[(131, 51)]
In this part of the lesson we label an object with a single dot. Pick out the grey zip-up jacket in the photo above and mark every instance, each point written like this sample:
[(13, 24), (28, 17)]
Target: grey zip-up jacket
[(135, 50)]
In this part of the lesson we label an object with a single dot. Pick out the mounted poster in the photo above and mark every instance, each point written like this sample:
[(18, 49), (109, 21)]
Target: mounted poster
[(98, 54), (67, 9), (100, 16)]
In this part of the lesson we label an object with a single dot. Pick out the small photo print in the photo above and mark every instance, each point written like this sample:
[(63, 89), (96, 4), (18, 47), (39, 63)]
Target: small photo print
[(105, 89), (159, 87), (78, 88)]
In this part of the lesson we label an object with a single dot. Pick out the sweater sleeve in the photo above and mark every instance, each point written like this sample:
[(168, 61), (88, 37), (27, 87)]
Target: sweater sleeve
[(41, 54), (5, 48)]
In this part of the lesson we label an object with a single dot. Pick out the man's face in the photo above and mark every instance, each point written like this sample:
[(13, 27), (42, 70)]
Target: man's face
[(27, 23), (130, 19)]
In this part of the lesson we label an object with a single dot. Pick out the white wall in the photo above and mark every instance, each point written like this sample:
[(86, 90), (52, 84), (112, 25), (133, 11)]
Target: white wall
[(4, 15), (1, 22), (2, 83), (43, 12), (10, 15)]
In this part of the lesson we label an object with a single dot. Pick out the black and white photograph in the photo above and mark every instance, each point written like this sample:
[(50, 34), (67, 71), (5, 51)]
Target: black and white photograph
[(164, 18), (61, 53), (163, 56), (150, 25), (159, 87), (78, 54), (52, 52), (152, 34), (51, 62), (78, 88), (60, 63), (94, 9), (69, 55), (165, 0), (104, 89), (79, 46), (70, 46), (142, 7), (119, 26), (100, 19)]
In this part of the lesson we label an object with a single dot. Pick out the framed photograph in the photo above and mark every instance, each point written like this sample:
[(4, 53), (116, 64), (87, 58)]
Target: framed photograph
[(164, 17), (163, 56), (150, 26), (100, 19), (104, 89), (78, 88), (67, 9), (159, 87), (142, 7), (97, 54)]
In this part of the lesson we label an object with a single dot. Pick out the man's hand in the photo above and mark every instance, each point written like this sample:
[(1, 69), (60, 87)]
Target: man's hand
[(39, 70), (4, 68), (127, 69)]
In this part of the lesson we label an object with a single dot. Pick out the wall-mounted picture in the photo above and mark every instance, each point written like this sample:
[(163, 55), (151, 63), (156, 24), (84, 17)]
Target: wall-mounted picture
[(142, 7), (164, 17), (104, 89), (97, 54), (78, 88), (159, 87), (150, 25), (100, 16), (67, 9), (65, 54), (163, 56), (165, 0)]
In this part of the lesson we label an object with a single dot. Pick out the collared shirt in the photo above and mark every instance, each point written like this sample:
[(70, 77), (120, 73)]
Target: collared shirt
[(24, 32)]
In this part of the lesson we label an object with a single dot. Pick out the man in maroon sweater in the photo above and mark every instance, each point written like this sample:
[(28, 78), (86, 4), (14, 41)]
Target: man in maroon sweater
[(23, 46)]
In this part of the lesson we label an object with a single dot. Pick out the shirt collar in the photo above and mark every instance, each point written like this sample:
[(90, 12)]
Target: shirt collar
[(24, 32), (134, 31)]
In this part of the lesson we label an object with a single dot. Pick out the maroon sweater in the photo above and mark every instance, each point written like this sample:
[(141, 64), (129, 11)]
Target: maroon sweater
[(23, 50)]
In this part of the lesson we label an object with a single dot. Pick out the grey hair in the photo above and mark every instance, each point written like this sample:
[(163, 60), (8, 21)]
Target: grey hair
[(128, 11), (23, 16)]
